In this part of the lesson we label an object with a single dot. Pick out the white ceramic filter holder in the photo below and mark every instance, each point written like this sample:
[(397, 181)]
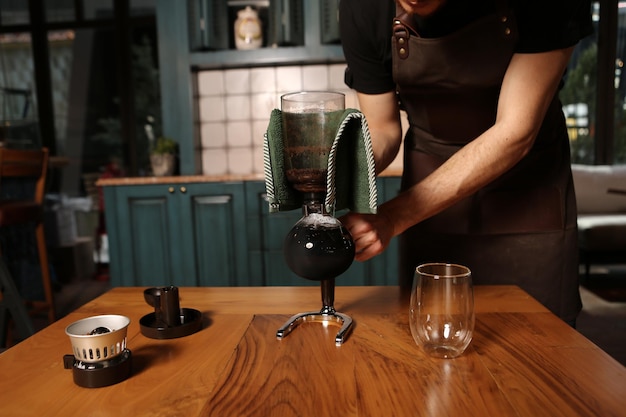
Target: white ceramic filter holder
[(92, 348)]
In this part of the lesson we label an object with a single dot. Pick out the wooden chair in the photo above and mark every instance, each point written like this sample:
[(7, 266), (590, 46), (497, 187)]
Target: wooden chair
[(11, 304), (30, 166)]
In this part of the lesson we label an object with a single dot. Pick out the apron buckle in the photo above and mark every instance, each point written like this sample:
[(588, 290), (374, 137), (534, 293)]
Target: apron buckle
[(401, 39)]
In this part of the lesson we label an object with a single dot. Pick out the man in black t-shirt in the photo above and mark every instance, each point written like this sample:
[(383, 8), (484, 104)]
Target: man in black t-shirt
[(487, 179)]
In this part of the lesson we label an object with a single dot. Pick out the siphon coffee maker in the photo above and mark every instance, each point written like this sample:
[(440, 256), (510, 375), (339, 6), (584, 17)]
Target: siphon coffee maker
[(318, 247)]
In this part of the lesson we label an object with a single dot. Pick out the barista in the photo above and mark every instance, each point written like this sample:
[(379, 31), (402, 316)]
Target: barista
[(487, 180)]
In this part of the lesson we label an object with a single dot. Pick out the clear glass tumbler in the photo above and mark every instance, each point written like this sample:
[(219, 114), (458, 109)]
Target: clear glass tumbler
[(441, 314)]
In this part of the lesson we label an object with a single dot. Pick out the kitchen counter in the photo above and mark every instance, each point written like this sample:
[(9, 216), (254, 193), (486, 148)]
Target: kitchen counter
[(178, 179), (187, 179), (523, 361)]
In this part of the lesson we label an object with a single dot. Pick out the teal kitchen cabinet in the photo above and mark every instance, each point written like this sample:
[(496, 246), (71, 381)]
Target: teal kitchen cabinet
[(184, 234), (266, 232), (384, 268), (189, 233)]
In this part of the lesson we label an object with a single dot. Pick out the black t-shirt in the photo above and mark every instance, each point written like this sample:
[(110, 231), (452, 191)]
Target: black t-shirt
[(366, 31)]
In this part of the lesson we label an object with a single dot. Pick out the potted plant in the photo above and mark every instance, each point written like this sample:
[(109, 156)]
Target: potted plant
[(163, 156)]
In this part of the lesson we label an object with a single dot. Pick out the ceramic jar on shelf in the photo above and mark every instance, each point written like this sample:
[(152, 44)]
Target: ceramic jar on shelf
[(248, 31)]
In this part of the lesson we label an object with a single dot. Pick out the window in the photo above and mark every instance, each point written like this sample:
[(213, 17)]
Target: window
[(595, 79), (91, 68)]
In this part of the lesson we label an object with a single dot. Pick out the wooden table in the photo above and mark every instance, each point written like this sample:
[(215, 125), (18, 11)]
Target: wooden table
[(523, 361)]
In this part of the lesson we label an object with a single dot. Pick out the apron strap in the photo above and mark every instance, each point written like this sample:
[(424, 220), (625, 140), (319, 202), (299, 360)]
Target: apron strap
[(403, 28)]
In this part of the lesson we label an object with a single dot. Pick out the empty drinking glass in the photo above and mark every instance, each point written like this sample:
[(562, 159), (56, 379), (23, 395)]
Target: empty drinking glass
[(442, 309)]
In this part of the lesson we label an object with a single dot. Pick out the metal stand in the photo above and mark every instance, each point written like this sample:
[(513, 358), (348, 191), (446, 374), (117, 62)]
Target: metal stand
[(326, 314)]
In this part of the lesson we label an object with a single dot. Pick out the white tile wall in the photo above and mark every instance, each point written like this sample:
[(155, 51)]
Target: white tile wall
[(213, 135), (235, 106), (288, 79), (237, 81), (315, 77), (214, 162), (210, 83), (212, 109), (239, 134), (263, 80)]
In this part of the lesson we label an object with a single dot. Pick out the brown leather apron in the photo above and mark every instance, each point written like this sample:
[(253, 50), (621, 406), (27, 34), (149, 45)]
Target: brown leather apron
[(520, 229)]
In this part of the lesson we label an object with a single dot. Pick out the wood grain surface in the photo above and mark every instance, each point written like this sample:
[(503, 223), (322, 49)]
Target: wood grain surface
[(523, 361)]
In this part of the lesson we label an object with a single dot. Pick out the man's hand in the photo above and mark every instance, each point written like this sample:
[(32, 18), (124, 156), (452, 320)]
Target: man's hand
[(371, 233)]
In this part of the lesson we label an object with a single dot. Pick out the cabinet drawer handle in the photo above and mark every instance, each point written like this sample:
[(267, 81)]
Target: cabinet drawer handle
[(183, 189), (215, 199), (171, 190)]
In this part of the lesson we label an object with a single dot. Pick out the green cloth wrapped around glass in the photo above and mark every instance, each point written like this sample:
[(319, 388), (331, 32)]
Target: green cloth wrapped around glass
[(350, 171)]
